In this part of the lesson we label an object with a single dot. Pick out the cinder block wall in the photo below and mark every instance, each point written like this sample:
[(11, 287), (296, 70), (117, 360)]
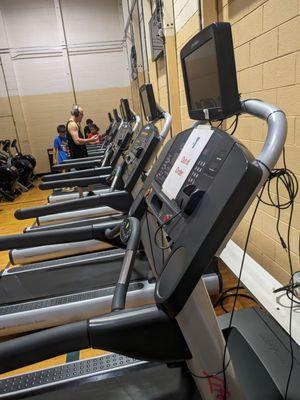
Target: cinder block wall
[(266, 36), (267, 49)]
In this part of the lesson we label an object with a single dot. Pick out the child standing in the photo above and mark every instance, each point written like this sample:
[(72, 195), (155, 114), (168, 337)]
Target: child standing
[(60, 147)]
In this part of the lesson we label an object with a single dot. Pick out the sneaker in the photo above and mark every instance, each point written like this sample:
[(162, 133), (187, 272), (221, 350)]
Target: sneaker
[(91, 194)]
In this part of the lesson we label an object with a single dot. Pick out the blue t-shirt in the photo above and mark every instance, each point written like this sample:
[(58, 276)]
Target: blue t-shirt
[(61, 144)]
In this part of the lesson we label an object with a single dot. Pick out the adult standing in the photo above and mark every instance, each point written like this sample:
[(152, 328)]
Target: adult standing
[(76, 141)]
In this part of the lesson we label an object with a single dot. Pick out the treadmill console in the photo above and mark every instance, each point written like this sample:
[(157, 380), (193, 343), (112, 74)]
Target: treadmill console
[(140, 153), (198, 179), (197, 194)]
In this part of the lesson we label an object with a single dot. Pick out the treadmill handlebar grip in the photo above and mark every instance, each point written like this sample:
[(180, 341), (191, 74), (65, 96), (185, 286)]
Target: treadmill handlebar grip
[(110, 199), (119, 299), (55, 208), (83, 159), (56, 236), (134, 240), (111, 233), (78, 165), (84, 173), (120, 292), (81, 182), (39, 346)]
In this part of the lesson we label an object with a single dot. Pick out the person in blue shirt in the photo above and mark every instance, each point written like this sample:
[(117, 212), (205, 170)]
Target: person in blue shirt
[(60, 147)]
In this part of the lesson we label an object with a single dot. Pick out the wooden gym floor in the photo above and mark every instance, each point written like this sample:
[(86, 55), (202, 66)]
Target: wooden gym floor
[(9, 225)]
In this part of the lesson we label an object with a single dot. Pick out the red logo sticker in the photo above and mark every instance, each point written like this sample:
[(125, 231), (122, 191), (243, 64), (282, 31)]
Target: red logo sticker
[(216, 385)]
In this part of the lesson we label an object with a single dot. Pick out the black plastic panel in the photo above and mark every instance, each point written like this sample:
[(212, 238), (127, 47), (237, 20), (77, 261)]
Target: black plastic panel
[(206, 206)]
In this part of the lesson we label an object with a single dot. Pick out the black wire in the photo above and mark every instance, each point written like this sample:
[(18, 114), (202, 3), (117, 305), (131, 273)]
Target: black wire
[(236, 295), (162, 251), (289, 181), (238, 286), (221, 301), (150, 240), (291, 296), (160, 228), (235, 124), (292, 299)]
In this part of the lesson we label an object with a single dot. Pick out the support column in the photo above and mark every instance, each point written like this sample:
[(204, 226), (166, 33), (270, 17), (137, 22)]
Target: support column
[(14, 105), (64, 48), (172, 66)]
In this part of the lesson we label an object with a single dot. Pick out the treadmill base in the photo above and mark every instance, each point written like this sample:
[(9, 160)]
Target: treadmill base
[(258, 349)]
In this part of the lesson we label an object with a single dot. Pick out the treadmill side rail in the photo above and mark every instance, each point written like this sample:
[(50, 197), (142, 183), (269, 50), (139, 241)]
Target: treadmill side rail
[(146, 333)]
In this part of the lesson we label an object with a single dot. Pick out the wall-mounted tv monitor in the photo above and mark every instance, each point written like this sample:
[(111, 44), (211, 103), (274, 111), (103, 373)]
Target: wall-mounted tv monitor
[(123, 116), (111, 120), (116, 115), (157, 42), (148, 102), (126, 110), (209, 74)]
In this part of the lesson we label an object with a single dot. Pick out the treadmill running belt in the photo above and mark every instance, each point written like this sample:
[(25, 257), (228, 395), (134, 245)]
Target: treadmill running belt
[(56, 301), (67, 260), (67, 279), (60, 192)]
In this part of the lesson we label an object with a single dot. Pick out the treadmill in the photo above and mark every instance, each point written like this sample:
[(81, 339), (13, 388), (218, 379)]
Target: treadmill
[(112, 166), (51, 293), (97, 168), (94, 149), (44, 294), (108, 206), (176, 348)]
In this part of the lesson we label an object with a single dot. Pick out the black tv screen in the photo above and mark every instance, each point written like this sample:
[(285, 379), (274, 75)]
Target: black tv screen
[(148, 102), (201, 68), (122, 111), (157, 42), (126, 109), (209, 74)]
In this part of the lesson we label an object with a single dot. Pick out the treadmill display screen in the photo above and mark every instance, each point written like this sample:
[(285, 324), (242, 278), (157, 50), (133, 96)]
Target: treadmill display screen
[(147, 109), (203, 83)]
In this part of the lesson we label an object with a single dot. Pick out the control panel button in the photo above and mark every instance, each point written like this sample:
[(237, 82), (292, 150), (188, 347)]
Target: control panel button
[(166, 218)]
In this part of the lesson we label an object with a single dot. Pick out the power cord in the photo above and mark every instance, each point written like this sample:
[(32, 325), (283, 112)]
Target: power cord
[(226, 294), (234, 124), (150, 240), (160, 229), (224, 365), (290, 183)]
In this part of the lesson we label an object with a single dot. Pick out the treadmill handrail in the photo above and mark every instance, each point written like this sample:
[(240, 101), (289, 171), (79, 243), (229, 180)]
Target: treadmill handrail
[(276, 135), (97, 171), (136, 122), (81, 182), (166, 127), (92, 158), (78, 165), (115, 199), (57, 236)]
